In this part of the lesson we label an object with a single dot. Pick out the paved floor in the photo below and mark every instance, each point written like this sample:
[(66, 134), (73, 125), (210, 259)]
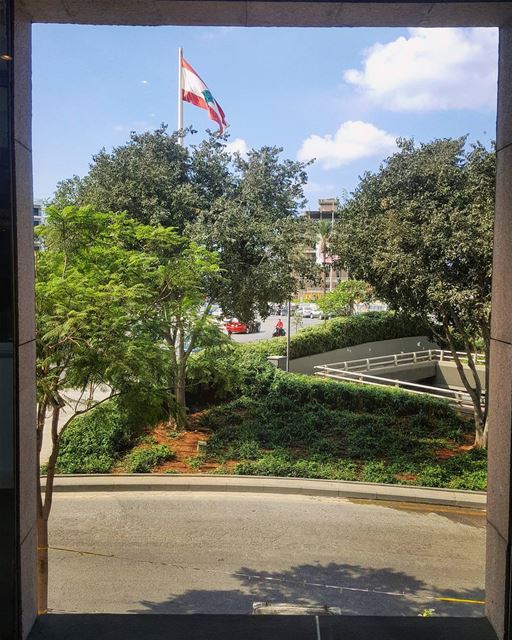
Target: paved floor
[(72, 397), (217, 553), (237, 627)]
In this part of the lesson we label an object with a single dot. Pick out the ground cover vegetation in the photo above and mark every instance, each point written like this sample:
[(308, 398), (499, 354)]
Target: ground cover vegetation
[(419, 231), (261, 421)]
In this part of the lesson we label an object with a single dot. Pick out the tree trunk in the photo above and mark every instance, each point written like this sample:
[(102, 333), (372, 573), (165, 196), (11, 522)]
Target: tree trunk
[(181, 401), (42, 564), (179, 387), (43, 512), (475, 393), (481, 433)]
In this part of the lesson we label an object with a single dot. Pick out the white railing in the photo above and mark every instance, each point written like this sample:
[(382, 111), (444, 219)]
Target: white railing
[(399, 359), (459, 398)]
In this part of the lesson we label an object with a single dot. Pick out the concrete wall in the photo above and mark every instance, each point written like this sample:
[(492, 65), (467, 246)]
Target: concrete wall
[(499, 495), (448, 376), (422, 372), (366, 350), (275, 14), (25, 314), (271, 13)]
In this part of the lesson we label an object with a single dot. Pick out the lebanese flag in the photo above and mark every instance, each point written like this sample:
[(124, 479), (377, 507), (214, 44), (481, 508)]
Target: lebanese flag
[(196, 92)]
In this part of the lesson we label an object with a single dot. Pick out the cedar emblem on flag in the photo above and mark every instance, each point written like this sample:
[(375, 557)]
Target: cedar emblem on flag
[(194, 90)]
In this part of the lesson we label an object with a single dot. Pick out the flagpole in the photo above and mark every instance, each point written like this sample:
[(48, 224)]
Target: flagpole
[(180, 95)]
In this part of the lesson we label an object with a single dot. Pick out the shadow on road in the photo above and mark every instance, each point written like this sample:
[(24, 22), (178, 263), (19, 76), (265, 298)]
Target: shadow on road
[(357, 590)]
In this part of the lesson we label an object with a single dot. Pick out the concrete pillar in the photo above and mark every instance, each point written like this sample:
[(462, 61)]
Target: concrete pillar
[(25, 318), (500, 384)]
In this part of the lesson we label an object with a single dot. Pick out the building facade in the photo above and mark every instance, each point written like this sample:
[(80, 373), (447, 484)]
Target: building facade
[(327, 211)]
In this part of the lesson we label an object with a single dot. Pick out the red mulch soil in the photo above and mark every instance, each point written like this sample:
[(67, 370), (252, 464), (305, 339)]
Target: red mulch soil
[(444, 454), (184, 445)]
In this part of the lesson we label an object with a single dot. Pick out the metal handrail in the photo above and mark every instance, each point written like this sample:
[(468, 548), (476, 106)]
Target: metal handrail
[(398, 359), (454, 396)]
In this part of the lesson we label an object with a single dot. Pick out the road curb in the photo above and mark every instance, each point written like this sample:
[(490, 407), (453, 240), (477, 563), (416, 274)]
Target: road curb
[(258, 484)]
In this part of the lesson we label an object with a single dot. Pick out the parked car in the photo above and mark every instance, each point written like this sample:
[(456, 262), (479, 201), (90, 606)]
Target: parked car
[(282, 309), (316, 312), (306, 310), (235, 326)]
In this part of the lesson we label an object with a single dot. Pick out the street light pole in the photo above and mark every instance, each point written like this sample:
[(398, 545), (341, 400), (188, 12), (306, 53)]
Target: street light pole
[(331, 287), (289, 324)]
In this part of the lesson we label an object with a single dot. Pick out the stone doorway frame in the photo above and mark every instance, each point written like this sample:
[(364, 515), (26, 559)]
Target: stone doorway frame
[(272, 13)]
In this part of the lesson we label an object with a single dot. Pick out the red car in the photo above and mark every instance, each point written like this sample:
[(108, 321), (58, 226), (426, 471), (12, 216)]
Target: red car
[(234, 326)]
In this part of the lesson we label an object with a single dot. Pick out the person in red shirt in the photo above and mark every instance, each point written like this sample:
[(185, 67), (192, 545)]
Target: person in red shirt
[(279, 330)]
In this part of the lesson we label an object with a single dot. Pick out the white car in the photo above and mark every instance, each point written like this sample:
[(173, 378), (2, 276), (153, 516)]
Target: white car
[(315, 311), (306, 310)]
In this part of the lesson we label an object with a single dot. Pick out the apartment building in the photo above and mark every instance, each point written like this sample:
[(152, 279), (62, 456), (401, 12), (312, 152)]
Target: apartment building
[(328, 211)]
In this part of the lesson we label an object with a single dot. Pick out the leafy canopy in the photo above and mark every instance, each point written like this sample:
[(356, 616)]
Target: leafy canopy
[(244, 209)]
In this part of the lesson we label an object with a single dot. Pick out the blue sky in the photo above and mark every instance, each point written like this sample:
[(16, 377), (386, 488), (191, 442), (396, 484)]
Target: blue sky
[(340, 95)]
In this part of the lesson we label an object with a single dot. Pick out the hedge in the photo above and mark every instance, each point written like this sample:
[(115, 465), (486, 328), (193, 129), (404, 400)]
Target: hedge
[(340, 333), (92, 442), (143, 460), (245, 370), (95, 441)]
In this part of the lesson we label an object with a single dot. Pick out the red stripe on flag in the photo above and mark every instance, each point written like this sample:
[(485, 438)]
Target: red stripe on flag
[(196, 100)]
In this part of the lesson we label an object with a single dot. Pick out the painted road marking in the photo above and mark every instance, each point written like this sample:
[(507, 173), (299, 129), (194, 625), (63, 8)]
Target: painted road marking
[(462, 600), (263, 578)]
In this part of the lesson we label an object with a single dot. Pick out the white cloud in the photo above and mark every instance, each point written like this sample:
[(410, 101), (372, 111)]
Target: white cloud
[(217, 32), (316, 187), (352, 141), (431, 69), (238, 145)]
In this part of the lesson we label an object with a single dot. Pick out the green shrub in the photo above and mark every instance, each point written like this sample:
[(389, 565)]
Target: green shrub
[(195, 462), (303, 389), (377, 471), (143, 460), (93, 442), (339, 333), (244, 369), (282, 465)]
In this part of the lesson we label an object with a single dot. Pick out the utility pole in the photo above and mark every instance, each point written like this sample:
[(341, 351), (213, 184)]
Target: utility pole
[(180, 94), (331, 271), (288, 329)]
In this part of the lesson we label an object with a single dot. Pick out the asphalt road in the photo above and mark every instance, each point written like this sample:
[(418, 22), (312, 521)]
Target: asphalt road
[(268, 327), (216, 553)]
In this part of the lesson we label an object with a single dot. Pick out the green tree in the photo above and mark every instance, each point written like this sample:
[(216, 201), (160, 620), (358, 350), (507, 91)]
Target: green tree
[(420, 232), (178, 312), (150, 177), (89, 307), (341, 300), (119, 305), (246, 210), (256, 231)]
